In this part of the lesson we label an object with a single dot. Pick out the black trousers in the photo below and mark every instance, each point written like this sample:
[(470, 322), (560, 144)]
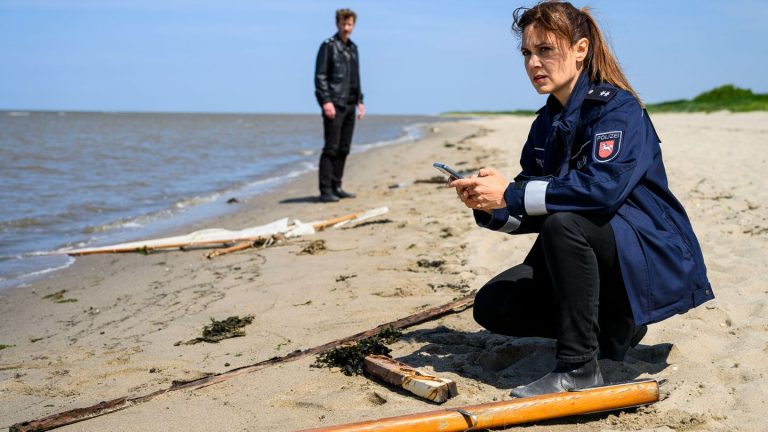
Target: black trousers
[(568, 288), (338, 140)]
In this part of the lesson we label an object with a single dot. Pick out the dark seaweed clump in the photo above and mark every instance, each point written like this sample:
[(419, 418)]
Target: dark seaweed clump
[(314, 248), (225, 329), (350, 357), (425, 263), (58, 297)]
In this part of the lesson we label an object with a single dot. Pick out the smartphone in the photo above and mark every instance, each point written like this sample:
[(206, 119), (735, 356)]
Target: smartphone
[(445, 169)]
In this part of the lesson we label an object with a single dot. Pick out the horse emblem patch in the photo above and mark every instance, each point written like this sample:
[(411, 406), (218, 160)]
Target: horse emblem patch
[(607, 146)]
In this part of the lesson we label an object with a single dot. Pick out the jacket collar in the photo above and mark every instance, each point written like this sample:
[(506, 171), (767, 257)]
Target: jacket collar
[(569, 115), (341, 43)]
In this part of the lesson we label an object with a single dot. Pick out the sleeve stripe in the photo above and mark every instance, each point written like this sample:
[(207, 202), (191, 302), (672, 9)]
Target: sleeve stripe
[(512, 224), (534, 200)]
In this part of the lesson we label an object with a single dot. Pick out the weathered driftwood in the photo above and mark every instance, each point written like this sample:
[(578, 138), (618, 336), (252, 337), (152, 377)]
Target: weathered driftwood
[(513, 412), (102, 408), (315, 226), (421, 384), (217, 237), (238, 247)]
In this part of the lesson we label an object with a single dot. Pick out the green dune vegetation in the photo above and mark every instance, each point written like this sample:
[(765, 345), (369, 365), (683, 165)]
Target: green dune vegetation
[(724, 98)]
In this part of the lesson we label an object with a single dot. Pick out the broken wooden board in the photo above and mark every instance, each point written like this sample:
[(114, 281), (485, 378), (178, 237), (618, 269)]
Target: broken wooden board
[(419, 383)]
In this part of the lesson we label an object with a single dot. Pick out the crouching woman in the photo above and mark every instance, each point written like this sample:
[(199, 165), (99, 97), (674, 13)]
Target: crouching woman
[(615, 250)]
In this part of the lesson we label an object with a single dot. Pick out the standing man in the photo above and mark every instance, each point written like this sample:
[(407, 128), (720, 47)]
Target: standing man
[(338, 91)]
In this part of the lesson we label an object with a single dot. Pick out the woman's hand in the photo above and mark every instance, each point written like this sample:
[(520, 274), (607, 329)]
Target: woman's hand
[(484, 191)]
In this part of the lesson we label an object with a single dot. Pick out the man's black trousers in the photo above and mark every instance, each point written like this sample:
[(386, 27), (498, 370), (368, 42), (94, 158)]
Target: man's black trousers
[(568, 288), (338, 140)]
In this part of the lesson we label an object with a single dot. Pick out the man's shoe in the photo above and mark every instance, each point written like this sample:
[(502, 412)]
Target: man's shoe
[(327, 197), (563, 378), (341, 193)]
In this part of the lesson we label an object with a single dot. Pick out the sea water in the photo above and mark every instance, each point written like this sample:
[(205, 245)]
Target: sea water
[(71, 179)]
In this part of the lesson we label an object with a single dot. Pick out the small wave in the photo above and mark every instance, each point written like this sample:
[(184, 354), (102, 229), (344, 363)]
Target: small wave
[(189, 202), (133, 223), (69, 262), (262, 185), (17, 113), (147, 220), (44, 265), (410, 133), (25, 222)]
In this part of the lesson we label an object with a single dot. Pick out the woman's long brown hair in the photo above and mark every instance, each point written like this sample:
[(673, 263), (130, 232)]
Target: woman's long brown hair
[(570, 24)]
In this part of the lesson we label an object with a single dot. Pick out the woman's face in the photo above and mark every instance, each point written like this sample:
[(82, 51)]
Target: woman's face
[(553, 68)]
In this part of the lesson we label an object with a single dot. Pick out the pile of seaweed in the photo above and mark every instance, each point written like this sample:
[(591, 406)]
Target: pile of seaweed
[(314, 248), (228, 328), (219, 330), (350, 357)]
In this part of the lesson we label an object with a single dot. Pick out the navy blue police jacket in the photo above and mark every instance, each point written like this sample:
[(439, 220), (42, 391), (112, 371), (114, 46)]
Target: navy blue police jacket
[(600, 155)]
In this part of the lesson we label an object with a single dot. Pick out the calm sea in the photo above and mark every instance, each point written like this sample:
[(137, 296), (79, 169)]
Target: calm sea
[(76, 179)]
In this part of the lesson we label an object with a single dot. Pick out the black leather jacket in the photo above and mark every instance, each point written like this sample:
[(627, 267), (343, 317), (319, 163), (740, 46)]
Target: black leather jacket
[(336, 63)]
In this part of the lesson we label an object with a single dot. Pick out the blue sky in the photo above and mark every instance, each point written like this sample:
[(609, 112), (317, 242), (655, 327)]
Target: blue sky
[(417, 57)]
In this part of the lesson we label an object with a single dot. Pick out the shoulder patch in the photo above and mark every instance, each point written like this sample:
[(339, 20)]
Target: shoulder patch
[(606, 146), (601, 93)]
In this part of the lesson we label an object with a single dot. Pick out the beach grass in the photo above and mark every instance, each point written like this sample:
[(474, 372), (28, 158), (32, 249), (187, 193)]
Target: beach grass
[(724, 98)]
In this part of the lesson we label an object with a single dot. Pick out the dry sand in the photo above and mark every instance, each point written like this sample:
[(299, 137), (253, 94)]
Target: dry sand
[(118, 338)]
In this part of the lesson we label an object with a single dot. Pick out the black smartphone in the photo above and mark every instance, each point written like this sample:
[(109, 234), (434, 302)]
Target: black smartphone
[(445, 169)]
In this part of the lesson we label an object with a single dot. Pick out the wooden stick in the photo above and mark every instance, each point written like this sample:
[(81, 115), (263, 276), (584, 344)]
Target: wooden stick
[(330, 222), (238, 247), (419, 383), (102, 408), (513, 412)]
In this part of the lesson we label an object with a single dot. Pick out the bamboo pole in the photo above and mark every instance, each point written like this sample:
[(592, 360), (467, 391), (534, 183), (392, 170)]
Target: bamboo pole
[(180, 245), (513, 412), (80, 414)]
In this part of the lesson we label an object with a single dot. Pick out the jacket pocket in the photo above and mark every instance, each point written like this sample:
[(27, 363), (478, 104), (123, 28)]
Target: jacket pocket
[(670, 265)]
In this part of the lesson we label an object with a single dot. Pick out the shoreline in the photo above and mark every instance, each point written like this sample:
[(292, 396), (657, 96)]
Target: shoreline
[(118, 338), (186, 211)]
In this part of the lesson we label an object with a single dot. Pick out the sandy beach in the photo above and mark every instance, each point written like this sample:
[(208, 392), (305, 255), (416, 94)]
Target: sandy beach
[(116, 336)]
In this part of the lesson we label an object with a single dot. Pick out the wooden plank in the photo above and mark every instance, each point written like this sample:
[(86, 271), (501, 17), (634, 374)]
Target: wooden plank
[(417, 382)]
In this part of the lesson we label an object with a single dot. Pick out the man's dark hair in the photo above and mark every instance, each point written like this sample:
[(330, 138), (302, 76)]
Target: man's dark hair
[(343, 14)]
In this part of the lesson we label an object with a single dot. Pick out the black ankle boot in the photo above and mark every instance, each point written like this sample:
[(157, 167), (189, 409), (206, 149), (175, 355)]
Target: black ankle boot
[(327, 197), (564, 378), (341, 193)]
